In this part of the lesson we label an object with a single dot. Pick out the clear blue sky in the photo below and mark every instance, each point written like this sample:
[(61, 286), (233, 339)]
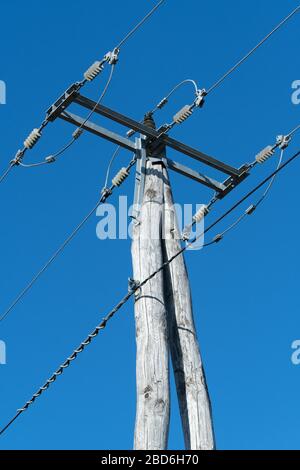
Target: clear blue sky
[(245, 290)]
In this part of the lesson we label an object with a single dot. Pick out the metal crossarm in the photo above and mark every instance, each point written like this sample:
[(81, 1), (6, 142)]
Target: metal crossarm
[(155, 135), (156, 142), (98, 130)]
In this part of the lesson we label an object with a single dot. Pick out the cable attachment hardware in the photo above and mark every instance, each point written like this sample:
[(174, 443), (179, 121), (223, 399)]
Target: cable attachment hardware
[(18, 157), (162, 103), (202, 212), (77, 133), (112, 57), (283, 141), (50, 159), (183, 114), (133, 285), (250, 209), (32, 139), (265, 154), (120, 177), (200, 100), (105, 193), (218, 238), (94, 70)]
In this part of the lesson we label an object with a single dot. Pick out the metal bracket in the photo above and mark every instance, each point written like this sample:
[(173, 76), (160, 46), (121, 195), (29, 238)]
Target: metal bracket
[(63, 102)]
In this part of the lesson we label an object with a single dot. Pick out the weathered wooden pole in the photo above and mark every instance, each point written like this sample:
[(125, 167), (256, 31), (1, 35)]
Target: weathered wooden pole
[(152, 361), (190, 380)]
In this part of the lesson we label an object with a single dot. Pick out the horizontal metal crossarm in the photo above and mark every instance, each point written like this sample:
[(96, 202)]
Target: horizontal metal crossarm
[(200, 156), (98, 130), (195, 175), (155, 135), (117, 117)]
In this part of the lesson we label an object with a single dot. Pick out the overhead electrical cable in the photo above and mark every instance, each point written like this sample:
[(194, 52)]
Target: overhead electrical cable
[(117, 181), (134, 287)]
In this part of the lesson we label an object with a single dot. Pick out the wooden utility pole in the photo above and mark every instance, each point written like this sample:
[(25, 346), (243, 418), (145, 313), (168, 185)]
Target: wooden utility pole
[(164, 322)]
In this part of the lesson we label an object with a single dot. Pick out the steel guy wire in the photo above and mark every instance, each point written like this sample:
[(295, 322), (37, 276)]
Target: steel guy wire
[(105, 195), (135, 287), (240, 62)]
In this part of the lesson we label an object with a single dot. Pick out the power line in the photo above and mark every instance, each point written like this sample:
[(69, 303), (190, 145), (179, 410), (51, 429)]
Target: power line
[(106, 194), (236, 66), (293, 132), (135, 287), (90, 74), (125, 39), (5, 174)]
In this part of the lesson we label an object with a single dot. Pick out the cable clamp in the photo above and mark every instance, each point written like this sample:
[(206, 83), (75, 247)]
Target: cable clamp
[(218, 238), (250, 209), (112, 57), (105, 193), (185, 236), (133, 285), (50, 159), (18, 157), (283, 141), (162, 103), (200, 100), (77, 133)]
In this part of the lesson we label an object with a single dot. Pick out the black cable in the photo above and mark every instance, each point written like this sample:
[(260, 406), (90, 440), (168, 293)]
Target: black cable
[(132, 291)]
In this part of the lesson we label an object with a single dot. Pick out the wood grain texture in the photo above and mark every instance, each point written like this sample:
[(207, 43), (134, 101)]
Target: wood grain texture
[(152, 363), (190, 379)]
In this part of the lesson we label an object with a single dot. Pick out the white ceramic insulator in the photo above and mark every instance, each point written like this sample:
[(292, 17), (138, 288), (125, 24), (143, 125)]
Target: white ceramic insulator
[(32, 139), (93, 71), (265, 154), (120, 177), (200, 214), (183, 114)]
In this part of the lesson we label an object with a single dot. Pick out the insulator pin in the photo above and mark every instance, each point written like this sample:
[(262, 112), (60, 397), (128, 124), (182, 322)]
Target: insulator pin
[(265, 154), (32, 139), (120, 177), (93, 71), (200, 214), (183, 114)]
